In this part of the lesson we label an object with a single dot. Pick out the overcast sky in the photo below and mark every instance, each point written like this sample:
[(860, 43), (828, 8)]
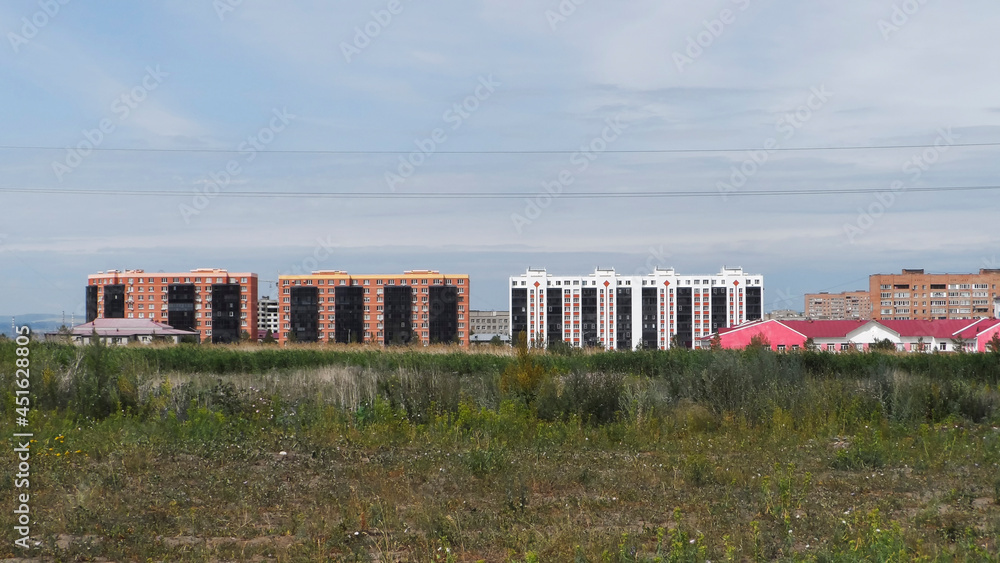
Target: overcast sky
[(315, 97)]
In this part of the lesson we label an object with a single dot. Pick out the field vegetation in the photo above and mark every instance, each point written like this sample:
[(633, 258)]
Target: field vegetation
[(188, 453)]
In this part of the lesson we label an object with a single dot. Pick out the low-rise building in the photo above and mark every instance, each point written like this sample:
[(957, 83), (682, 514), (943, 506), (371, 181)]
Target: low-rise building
[(129, 331), (842, 335), (784, 315), (490, 323)]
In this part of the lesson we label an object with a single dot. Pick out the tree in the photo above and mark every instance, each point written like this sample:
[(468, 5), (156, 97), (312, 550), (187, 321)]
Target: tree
[(958, 344), (560, 347), (539, 340), (882, 345), (244, 336), (496, 340), (921, 345), (716, 343), (525, 376), (810, 344), (994, 344), (759, 342), (269, 337), (675, 341)]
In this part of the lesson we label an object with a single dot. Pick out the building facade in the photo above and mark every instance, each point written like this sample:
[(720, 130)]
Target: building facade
[(849, 305), (267, 317), (618, 312), (490, 323), (126, 331), (916, 295), (848, 335), (218, 304), (417, 306)]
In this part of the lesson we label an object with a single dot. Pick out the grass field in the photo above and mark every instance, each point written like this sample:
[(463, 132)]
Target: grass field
[(363, 455)]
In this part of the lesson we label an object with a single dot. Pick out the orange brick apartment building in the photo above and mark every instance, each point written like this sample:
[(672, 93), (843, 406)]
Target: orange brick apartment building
[(916, 295), (218, 304), (419, 306)]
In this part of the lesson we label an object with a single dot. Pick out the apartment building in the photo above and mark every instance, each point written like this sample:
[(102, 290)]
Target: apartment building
[(619, 312), (914, 294), (419, 306), (219, 304), (267, 317), (490, 322), (849, 305)]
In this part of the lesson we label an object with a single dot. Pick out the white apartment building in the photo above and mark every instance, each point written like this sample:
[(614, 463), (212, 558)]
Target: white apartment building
[(267, 316), (619, 312)]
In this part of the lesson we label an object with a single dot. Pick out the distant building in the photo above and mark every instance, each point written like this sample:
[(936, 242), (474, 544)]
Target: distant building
[(619, 312), (127, 331), (267, 317), (487, 324), (784, 314), (849, 305), (914, 294), (220, 305), (418, 306)]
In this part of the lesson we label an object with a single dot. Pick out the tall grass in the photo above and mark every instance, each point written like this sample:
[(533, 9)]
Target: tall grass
[(813, 388)]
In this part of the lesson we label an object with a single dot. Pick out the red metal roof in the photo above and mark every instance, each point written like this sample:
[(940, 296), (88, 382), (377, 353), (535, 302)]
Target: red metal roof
[(824, 329), (934, 328)]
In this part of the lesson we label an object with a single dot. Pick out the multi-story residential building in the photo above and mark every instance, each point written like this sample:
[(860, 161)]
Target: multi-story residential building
[(220, 305), (618, 312), (916, 295), (267, 317), (490, 322), (849, 305), (420, 306)]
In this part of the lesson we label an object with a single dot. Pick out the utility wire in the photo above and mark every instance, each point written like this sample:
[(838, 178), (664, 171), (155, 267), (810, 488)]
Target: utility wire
[(496, 195), (503, 152)]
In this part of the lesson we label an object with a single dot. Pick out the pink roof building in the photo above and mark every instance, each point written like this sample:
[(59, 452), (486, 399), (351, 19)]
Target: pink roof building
[(835, 336)]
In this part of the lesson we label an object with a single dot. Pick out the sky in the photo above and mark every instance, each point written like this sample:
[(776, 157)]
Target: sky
[(278, 137)]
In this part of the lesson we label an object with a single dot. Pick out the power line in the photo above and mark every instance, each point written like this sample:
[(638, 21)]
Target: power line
[(503, 152), (498, 195)]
